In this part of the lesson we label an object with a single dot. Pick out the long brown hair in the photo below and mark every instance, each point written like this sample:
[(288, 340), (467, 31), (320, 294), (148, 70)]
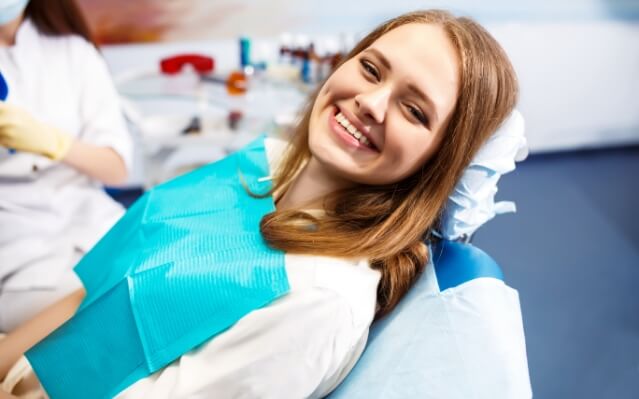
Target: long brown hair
[(388, 224), (58, 18)]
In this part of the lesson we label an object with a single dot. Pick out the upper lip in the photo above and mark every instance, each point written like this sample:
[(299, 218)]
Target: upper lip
[(359, 126)]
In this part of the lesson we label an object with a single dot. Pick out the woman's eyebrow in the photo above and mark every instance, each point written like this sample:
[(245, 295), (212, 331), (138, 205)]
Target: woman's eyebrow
[(411, 87), (381, 57)]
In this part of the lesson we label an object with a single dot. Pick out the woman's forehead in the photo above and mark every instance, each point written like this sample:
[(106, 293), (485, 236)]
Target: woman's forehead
[(422, 44)]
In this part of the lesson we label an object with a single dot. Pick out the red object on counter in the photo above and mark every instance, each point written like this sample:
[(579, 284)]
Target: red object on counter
[(234, 118), (201, 63)]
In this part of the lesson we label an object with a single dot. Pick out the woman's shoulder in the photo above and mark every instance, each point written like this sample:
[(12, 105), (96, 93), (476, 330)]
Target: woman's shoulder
[(352, 280)]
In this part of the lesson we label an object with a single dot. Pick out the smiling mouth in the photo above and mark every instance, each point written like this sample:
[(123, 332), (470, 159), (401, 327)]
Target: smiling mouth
[(343, 121)]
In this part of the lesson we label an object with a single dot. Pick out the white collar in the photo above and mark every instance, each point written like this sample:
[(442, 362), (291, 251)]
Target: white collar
[(27, 33)]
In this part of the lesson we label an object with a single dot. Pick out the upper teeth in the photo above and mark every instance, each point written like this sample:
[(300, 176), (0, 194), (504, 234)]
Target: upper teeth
[(351, 129)]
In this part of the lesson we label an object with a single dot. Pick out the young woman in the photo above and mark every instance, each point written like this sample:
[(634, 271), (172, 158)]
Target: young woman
[(362, 183), (62, 136)]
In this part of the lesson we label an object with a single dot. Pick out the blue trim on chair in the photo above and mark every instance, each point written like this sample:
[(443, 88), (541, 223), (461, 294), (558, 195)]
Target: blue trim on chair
[(456, 263)]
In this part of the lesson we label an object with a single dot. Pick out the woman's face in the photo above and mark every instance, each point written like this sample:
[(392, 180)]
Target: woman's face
[(381, 114)]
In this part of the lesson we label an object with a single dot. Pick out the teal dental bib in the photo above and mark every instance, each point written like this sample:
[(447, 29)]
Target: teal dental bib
[(184, 264)]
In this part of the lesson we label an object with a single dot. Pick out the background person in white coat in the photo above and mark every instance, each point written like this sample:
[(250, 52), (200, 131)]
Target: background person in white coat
[(67, 137)]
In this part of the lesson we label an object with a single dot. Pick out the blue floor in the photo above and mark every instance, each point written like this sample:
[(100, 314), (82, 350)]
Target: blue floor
[(572, 251)]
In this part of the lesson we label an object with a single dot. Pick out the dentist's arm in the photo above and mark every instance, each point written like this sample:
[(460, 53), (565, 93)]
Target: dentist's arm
[(14, 345), (20, 131), (101, 163)]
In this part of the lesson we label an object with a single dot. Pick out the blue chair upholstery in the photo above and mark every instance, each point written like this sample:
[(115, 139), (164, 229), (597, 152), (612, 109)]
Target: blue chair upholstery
[(395, 341), (456, 263)]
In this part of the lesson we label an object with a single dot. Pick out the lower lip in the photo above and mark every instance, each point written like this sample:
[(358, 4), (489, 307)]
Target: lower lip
[(343, 135)]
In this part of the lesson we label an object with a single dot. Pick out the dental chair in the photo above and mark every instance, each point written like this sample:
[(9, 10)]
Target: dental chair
[(458, 332)]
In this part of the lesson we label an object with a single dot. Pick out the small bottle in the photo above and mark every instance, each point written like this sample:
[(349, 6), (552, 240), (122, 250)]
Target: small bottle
[(286, 41), (300, 43), (306, 70), (245, 52), (236, 83), (234, 118)]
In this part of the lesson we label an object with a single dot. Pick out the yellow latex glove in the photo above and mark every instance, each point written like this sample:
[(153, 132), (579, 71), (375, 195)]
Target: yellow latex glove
[(20, 131)]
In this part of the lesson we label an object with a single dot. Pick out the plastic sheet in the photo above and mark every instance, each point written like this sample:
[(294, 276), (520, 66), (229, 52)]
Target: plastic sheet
[(472, 202)]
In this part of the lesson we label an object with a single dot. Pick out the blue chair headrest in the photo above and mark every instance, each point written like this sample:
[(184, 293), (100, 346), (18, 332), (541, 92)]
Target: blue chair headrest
[(456, 263)]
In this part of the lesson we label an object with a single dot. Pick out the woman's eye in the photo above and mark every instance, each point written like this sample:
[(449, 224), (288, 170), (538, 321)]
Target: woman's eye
[(370, 69), (417, 114)]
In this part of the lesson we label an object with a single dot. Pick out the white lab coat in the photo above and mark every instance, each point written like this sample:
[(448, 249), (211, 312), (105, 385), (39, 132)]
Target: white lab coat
[(50, 214)]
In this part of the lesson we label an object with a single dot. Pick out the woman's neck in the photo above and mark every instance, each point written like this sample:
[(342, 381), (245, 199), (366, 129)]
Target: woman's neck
[(8, 32), (310, 187)]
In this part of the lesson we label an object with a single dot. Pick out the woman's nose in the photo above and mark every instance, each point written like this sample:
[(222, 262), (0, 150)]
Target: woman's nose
[(373, 104)]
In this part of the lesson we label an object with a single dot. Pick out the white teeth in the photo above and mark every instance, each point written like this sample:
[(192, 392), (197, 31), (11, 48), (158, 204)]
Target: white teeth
[(351, 129)]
